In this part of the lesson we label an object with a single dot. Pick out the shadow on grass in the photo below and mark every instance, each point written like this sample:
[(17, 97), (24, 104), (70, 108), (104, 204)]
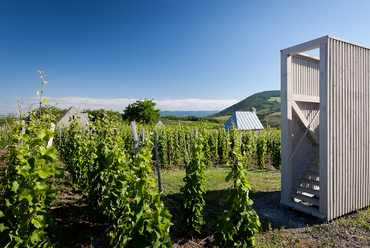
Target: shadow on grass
[(211, 211), (272, 214), (78, 226)]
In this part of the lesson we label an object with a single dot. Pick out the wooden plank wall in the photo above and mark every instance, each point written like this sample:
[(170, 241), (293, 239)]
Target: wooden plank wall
[(305, 82), (305, 76), (348, 128)]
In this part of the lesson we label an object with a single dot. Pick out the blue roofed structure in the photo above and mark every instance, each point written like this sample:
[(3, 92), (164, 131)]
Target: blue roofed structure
[(244, 121)]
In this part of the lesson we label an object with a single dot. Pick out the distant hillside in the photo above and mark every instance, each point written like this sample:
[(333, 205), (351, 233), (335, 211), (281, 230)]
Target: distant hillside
[(267, 104), (187, 113)]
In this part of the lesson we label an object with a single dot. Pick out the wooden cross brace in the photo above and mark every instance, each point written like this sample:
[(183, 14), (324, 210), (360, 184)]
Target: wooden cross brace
[(304, 123)]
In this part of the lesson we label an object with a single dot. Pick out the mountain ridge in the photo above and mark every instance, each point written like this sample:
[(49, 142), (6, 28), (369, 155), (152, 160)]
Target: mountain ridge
[(267, 104)]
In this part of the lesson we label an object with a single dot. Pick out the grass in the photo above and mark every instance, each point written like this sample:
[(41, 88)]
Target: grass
[(210, 125), (215, 180), (361, 219), (277, 98), (216, 189), (225, 118), (172, 180)]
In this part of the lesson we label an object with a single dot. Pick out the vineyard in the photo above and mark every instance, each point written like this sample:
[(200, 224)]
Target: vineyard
[(115, 168)]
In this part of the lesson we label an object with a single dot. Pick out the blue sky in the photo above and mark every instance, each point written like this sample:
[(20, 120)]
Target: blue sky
[(186, 55)]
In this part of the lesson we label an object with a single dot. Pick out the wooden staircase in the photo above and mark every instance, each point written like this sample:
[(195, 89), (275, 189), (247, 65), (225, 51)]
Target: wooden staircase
[(306, 185)]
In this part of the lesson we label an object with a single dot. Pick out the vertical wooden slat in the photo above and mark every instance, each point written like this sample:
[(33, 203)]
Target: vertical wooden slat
[(366, 124), (285, 129), (341, 126), (323, 208)]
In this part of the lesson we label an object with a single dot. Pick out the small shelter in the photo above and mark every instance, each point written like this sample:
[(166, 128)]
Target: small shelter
[(325, 131), (73, 114), (243, 120), (159, 123)]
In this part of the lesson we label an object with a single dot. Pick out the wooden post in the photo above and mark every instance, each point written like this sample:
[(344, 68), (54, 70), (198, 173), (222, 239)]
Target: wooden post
[(50, 142), (184, 147), (169, 149), (325, 180), (286, 119), (177, 141), (134, 133), (23, 131), (60, 137), (143, 133), (156, 157), (115, 132)]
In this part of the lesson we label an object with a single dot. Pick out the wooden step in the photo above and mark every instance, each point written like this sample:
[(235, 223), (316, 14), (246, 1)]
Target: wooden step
[(311, 173), (313, 166), (308, 199), (315, 160), (307, 190), (309, 181), (303, 208)]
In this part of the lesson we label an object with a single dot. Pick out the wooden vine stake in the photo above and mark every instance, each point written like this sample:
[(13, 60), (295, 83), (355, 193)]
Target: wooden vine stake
[(60, 137), (157, 159), (50, 142), (136, 142), (23, 131)]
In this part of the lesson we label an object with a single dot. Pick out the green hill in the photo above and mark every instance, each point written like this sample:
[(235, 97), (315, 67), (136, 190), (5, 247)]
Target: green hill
[(267, 104)]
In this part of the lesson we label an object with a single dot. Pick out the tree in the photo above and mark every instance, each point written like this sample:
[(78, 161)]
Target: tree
[(142, 112), (100, 114), (54, 112)]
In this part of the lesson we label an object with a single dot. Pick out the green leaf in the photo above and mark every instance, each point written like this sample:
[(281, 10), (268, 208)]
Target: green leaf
[(3, 227), (58, 174), (38, 221), (228, 177), (45, 172), (40, 161), (15, 186), (41, 134), (7, 203), (157, 244), (37, 236)]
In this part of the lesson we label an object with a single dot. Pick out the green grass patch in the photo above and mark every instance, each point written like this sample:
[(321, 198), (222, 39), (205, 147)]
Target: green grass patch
[(225, 118), (216, 189), (172, 180), (264, 182), (175, 123), (259, 180), (276, 98), (361, 219)]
